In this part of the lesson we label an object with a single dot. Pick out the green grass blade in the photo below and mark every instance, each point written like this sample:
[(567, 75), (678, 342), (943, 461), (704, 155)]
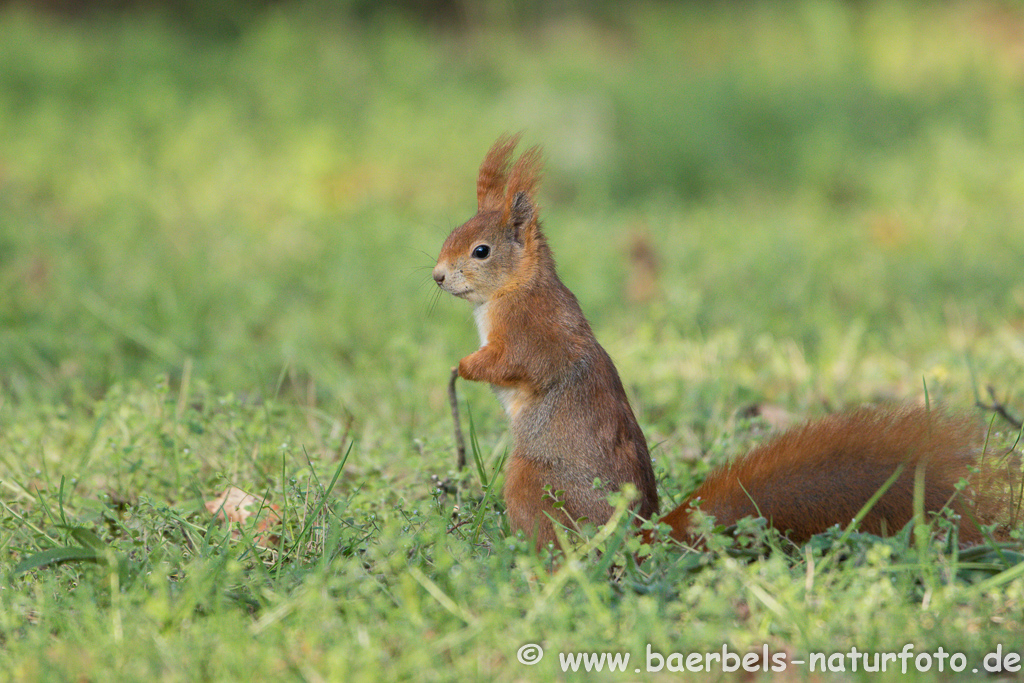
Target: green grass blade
[(57, 556)]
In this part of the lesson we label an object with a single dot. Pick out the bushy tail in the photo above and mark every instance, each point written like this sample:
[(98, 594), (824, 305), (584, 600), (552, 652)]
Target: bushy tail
[(822, 473)]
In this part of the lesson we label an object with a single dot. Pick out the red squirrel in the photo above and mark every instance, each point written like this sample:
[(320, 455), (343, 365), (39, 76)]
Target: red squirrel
[(574, 430), (571, 420)]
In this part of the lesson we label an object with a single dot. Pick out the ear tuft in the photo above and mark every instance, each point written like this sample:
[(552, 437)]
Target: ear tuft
[(490, 184), (520, 208)]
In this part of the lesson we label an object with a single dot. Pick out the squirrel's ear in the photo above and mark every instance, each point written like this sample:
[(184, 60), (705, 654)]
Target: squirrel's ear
[(520, 209), (521, 214), (490, 184)]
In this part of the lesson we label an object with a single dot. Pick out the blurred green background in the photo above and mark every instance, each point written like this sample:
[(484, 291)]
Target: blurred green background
[(259, 189), (217, 226)]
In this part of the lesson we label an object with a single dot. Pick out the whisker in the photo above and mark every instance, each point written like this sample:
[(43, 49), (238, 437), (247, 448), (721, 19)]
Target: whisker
[(430, 256), (433, 304)]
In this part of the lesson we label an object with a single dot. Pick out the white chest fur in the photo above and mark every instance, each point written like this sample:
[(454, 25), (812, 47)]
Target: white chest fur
[(483, 323), (511, 399)]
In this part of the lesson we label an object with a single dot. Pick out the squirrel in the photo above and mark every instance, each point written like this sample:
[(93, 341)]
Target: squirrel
[(574, 431), (571, 421)]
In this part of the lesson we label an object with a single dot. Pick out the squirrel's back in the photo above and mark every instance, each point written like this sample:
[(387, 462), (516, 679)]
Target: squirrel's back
[(822, 473), (573, 427)]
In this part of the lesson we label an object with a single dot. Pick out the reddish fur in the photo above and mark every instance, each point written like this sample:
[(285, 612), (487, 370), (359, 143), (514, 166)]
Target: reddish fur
[(821, 474), (490, 184), (572, 423), (524, 178), (570, 417)]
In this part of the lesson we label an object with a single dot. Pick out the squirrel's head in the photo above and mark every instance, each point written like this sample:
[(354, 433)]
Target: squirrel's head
[(498, 246)]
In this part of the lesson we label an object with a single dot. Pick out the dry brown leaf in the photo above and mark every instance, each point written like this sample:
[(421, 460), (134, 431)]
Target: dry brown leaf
[(263, 535), (233, 504)]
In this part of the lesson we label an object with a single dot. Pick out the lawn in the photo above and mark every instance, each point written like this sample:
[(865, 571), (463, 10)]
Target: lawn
[(215, 256)]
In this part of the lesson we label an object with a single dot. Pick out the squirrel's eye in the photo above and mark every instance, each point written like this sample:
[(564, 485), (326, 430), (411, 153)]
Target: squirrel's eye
[(483, 251)]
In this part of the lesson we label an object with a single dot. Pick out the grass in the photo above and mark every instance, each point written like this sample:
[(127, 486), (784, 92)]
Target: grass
[(214, 271)]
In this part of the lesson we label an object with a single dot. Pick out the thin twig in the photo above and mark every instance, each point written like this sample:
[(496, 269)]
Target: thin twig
[(460, 444), (999, 409)]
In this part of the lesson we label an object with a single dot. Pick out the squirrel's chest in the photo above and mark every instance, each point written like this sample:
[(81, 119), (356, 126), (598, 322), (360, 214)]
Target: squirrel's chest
[(483, 322), (512, 399)]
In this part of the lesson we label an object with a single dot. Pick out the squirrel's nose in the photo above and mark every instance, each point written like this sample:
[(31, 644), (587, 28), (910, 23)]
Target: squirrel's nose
[(438, 275)]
